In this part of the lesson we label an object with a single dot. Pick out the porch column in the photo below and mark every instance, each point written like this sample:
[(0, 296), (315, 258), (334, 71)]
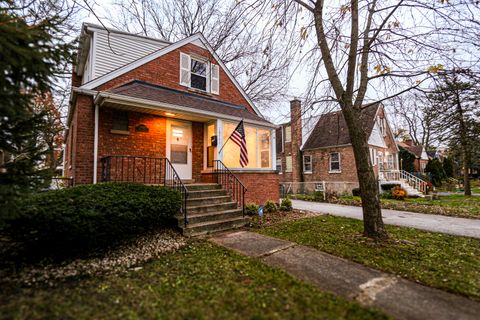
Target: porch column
[(219, 155)]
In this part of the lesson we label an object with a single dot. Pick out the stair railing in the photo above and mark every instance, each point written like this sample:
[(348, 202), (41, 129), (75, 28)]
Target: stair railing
[(230, 183), (146, 170), (414, 181)]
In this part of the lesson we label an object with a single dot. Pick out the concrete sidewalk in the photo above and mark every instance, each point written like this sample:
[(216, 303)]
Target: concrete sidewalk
[(395, 296), (430, 222)]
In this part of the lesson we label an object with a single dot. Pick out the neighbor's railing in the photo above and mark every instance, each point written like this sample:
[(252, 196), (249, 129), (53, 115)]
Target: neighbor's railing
[(146, 170), (402, 175), (230, 183)]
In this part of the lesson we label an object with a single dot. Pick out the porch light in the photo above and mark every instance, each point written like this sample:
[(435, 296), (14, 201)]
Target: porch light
[(170, 114)]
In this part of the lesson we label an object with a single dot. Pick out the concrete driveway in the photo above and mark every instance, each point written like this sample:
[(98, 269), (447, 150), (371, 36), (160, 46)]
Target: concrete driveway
[(429, 222)]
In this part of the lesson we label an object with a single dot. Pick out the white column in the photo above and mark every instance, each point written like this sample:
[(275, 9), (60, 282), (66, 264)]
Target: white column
[(219, 139), (273, 147)]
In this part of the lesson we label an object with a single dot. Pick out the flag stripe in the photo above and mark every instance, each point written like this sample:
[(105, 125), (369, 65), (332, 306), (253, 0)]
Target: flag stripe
[(238, 137)]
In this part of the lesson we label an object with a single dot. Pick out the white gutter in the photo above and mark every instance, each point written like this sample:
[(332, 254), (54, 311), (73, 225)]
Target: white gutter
[(148, 104), (95, 145)]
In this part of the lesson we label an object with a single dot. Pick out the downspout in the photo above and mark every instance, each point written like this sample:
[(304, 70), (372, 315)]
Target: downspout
[(95, 145)]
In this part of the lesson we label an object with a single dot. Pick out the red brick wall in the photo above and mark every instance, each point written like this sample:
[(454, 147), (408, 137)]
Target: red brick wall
[(261, 186), (197, 151), (165, 71), (321, 165), (83, 122)]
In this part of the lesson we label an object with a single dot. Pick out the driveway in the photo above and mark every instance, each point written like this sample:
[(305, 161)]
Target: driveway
[(429, 222)]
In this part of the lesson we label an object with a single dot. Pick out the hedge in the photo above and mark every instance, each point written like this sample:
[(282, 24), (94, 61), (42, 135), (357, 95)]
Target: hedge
[(90, 216)]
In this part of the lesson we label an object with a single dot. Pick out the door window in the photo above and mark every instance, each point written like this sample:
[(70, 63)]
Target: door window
[(179, 145)]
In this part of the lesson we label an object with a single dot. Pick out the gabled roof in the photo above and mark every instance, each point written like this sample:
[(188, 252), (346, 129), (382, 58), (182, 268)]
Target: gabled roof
[(416, 150), (198, 37), (331, 129), (155, 93)]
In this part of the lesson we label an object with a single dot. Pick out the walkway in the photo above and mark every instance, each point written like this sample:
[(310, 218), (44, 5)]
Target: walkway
[(395, 296), (429, 222)]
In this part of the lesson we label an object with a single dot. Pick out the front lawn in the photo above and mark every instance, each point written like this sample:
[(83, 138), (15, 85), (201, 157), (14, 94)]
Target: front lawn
[(447, 262), (200, 281), (453, 205)]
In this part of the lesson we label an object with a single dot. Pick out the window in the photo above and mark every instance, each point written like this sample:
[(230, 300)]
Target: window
[(372, 156), (335, 162), (382, 124), (120, 120), (381, 166), (198, 71), (307, 164), (259, 145), (288, 164), (288, 134), (390, 162), (279, 165)]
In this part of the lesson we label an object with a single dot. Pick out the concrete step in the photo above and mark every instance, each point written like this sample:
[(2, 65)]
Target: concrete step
[(214, 226), (195, 202), (203, 186), (194, 194), (210, 216), (216, 207)]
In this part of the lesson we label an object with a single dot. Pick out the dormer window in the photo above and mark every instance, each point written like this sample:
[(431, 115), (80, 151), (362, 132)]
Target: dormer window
[(198, 73), (198, 78)]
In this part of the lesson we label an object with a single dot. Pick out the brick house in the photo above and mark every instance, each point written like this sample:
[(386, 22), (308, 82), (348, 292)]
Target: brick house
[(323, 153), (135, 99), (421, 155)]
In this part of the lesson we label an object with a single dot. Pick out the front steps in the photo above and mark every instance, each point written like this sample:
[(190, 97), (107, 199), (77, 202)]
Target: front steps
[(210, 209), (411, 191)]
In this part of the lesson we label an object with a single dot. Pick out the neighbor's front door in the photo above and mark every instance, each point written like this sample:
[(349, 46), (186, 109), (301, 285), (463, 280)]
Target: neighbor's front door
[(179, 147)]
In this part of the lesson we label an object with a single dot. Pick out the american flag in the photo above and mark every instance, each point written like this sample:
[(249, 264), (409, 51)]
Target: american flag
[(238, 136)]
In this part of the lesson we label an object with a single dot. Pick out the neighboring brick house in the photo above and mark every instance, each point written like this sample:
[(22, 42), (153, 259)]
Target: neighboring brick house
[(327, 153), (142, 97), (421, 155)]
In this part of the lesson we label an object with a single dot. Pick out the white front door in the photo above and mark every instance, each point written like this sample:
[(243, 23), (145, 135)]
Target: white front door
[(179, 147)]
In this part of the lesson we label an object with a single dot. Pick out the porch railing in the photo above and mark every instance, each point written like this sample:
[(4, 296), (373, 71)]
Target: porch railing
[(144, 170), (230, 183), (402, 175)]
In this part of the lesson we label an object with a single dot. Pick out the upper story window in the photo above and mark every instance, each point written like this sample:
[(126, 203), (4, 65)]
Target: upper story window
[(335, 162), (199, 74), (382, 124), (288, 134), (307, 164)]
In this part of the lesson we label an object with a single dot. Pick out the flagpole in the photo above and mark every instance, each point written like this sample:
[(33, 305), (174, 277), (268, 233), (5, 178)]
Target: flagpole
[(228, 138)]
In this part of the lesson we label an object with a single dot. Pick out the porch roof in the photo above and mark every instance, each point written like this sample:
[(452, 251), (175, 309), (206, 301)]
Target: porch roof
[(185, 100)]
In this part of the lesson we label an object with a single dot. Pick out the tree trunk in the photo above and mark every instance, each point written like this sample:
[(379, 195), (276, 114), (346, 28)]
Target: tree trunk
[(466, 169), (372, 213)]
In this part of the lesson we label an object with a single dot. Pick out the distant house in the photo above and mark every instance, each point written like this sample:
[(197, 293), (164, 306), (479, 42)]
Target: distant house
[(419, 152), (327, 153)]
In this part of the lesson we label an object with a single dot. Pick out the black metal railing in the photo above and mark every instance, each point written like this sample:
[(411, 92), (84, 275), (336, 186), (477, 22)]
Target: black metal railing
[(146, 170), (230, 183)]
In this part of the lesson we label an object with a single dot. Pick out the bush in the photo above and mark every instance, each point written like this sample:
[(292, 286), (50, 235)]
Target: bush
[(270, 206), (386, 195), (286, 205), (389, 186), (399, 193), (356, 192), (90, 216), (251, 209), (318, 196)]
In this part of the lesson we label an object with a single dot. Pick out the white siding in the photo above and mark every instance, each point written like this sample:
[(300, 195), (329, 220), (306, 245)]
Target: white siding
[(122, 50), (376, 137)]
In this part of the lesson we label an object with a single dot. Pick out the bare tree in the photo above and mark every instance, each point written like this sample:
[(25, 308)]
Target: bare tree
[(371, 51), (256, 56)]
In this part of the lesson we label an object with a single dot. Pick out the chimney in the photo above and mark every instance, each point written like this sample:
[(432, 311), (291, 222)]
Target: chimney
[(296, 126)]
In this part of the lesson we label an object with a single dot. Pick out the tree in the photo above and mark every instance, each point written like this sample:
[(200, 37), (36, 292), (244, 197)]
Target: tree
[(258, 59), (454, 102), (33, 52), (436, 173), (448, 167), (407, 160)]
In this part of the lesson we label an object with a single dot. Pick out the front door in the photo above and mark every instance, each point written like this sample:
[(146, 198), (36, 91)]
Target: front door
[(179, 147)]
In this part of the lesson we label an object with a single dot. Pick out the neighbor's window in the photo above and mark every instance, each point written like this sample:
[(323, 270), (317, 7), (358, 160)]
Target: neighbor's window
[(335, 162), (288, 134), (307, 164), (381, 166), (120, 120), (288, 164), (279, 165), (259, 147), (390, 162), (198, 74)]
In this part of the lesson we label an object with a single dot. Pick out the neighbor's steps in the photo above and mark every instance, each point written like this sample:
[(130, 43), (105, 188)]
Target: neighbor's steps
[(210, 209)]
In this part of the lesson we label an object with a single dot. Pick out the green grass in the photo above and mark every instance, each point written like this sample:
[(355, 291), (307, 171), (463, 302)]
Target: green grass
[(448, 262), (452, 205), (201, 281)]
